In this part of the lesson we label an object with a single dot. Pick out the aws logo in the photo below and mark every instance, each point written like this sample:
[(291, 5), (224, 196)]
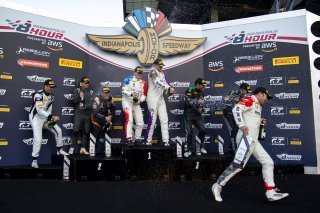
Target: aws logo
[(147, 27)]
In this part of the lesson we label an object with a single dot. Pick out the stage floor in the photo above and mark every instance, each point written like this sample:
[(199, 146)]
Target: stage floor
[(242, 194)]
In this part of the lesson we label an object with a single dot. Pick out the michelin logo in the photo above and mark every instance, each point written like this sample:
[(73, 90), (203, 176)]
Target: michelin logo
[(68, 96), (286, 156), (284, 95), (180, 84), (213, 126), (177, 111), (288, 126), (250, 82), (29, 141), (212, 98), (110, 84), (68, 125), (35, 78)]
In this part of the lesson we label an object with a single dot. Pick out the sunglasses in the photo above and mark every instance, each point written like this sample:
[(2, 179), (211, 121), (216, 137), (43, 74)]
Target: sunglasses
[(86, 82)]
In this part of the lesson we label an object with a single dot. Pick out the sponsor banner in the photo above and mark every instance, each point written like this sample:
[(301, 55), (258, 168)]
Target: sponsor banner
[(293, 81), (69, 82), (3, 91), (31, 63), (276, 81), (174, 125), (213, 126), (117, 127), (285, 95), (1, 125), (218, 112), (180, 84), (4, 143), (285, 61), (296, 142), (175, 98), (294, 111), (247, 58), (177, 111), (24, 50), (29, 141), (25, 125), (27, 93), (250, 82), (4, 109), (218, 85), (215, 66), (110, 84), (288, 126), (63, 62), (277, 110), (67, 110), (68, 125), (288, 157), (35, 78), (66, 140), (253, 68), (68, 96), (1, 53)]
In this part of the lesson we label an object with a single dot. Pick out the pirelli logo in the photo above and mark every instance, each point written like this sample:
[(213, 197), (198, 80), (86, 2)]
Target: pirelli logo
[(4, 109), (296, 143), (63, 62), (117, 127), (293, 81), (218, 112), (8, 77), (294, 111), (4, 143), (285, 61)]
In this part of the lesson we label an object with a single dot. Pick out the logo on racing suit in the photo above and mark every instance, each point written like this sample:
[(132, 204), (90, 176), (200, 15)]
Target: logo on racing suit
[(177, 111), (67, 110), (174, 125), (286, 156), (69, 82), (110, 84), (278, 141), (3, 91), (213, 126), (148, 28), (68, 125), (276, 81), (277, 110), (29, 141), (284, 95), (25, 125), (66, 141), (251, 37), (68, 96), (288, 126), (27, 93), (35, 78), (250, 82), (180, 84), (174, 98)]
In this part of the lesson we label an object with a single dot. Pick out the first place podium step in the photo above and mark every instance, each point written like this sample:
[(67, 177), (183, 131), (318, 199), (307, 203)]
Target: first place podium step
[(84, 167)]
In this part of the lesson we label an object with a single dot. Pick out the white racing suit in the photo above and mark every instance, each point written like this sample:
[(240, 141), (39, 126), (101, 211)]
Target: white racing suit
[(39, 115), (133, 87), (248, 113), (157, 85)]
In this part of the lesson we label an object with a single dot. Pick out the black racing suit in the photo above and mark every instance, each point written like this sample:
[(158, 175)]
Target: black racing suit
[(192, 114), (101, 108), (82, 112), (233, 97)]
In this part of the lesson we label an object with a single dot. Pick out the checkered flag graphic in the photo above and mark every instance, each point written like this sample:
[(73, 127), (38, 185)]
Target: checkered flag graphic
[(151, 16)]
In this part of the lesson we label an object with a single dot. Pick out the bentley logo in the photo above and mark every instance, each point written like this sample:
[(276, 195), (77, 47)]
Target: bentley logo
[(147, 28)]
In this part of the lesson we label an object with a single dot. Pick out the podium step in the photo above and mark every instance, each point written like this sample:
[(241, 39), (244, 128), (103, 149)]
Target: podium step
[(27, 172)]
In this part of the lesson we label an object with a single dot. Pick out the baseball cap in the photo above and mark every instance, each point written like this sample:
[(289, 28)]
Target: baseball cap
[(105, 89), (85, 80), (159, 62), (50, 83), (201, 81), (263, 90), (138, 69), (245, 86)]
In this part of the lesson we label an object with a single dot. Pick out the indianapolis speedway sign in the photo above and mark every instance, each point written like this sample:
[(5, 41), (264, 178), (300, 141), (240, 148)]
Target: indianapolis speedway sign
[(148, 28)]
